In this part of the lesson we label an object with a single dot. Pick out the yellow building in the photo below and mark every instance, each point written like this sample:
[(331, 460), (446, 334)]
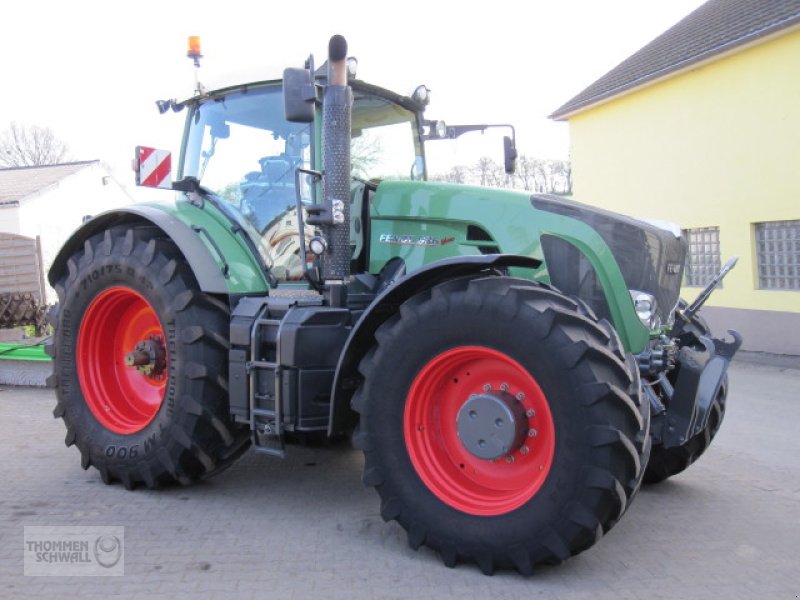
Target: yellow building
[(701, 127)]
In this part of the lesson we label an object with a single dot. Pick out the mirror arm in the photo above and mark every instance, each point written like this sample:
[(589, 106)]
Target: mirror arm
[(455, 131)]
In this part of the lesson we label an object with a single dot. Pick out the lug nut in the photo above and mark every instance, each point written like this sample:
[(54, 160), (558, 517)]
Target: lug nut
[(523, 450), (530, 413), (509, 459), (521, 396), (487, 387), (531, 433), (504, 387)]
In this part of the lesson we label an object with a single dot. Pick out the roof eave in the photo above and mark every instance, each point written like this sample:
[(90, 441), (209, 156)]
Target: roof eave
[(695, 62), (85, 164)]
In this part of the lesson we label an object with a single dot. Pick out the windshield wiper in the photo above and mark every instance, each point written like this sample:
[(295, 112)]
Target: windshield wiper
[(207, 154)]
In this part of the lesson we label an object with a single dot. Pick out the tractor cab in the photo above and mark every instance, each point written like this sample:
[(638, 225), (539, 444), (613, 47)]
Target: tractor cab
[(239, 146)]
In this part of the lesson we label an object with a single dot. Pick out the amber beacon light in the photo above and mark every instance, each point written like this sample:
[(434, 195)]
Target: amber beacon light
[(193, 50)]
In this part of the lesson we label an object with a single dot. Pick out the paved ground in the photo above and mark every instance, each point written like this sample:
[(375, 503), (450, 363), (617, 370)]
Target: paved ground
[(305, 528)]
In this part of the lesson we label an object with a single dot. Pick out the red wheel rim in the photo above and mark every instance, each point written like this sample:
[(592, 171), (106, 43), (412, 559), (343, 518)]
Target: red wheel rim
[(456, 476), (122, 398)]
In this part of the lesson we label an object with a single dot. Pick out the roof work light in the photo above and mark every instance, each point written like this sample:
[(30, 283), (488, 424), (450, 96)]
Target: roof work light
[(193, 50)]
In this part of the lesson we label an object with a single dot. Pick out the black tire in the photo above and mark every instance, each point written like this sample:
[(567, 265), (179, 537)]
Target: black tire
[(666, 462), (190, 435), (600, 424)]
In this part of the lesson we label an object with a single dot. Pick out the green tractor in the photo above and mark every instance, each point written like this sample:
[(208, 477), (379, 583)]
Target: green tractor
[(512, 366)]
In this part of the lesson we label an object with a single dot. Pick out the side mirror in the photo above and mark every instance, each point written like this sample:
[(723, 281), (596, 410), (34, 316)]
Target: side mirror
[(509, 155), (153, 167), (299, 95)]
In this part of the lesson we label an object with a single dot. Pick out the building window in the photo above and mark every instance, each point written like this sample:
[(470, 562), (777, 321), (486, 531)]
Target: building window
[(778, 255), (703, 259)]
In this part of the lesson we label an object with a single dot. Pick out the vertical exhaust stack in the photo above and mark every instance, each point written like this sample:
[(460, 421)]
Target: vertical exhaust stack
[(336, 117)]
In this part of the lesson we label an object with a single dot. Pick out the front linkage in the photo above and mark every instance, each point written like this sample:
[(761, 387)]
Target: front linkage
[(685, 375)]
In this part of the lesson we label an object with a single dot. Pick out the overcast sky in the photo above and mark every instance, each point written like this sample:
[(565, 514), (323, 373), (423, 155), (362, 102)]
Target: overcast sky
[(91, 71)]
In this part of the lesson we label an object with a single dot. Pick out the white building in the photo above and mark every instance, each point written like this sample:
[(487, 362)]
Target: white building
[(51, 201)]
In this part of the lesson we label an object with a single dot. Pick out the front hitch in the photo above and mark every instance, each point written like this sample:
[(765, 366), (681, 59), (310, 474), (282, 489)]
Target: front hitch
[(700, 372)]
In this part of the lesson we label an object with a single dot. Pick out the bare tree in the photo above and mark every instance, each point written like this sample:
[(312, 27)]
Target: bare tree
[(525, 175), (365, 154), (567, 173), (28, 146), (489, 173), (532, 175), (457, 174)]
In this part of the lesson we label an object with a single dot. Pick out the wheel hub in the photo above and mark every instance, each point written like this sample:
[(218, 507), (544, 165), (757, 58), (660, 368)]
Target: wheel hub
[(149, 357), (492, 424)]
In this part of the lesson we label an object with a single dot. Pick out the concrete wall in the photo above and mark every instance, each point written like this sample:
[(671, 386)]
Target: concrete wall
[(763, 330), (715, 146)]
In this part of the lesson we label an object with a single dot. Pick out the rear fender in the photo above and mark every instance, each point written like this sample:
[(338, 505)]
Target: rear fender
[(218, 259)]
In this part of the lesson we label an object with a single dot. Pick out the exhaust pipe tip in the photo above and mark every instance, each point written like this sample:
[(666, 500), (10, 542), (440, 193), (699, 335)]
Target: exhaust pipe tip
[(337, 60), (337, 48)]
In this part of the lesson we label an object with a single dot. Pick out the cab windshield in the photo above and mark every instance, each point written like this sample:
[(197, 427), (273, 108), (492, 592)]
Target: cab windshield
[(242, 149)]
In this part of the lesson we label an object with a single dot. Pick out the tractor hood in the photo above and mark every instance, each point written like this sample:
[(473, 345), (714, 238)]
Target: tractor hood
[(651, 258)]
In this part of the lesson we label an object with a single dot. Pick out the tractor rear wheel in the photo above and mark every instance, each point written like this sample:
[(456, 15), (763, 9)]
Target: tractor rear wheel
[(501, 423), (140, 356)]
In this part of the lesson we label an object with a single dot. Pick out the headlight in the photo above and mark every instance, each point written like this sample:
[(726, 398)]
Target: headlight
[(645, 306)]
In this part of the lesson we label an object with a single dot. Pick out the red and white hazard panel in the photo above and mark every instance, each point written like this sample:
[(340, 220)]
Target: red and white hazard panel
[(153, 167)]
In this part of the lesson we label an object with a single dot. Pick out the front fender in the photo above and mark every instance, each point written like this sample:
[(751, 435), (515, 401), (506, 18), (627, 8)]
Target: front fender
[(219, 260), (362, 336)]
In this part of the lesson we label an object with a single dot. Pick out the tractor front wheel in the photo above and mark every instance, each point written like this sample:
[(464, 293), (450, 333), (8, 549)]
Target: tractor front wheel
[(501, 423), (140, 357)]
